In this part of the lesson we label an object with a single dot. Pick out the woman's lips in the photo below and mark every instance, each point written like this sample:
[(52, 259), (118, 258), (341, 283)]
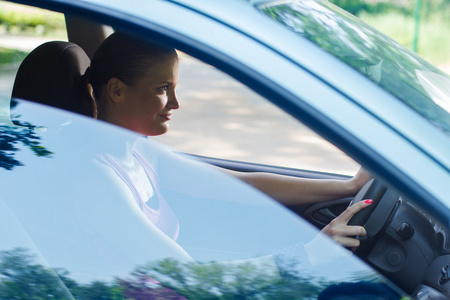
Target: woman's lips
[(166, 116)]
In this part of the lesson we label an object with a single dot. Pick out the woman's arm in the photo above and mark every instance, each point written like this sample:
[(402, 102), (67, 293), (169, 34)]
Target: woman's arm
[(290, 190)]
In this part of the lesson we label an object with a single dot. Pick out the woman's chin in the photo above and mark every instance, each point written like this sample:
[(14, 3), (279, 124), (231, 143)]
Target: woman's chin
[(158, 131)]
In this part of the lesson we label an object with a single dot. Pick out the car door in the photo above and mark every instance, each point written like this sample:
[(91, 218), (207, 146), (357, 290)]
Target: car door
[(244, 65), (70, 226)]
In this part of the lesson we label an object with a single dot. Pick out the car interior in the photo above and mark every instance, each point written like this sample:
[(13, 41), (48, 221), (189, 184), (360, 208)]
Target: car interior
[(412, 240), (49, 74)]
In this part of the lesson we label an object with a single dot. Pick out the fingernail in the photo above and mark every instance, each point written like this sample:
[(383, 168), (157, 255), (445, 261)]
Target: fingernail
[(363, 233), (368, 201)]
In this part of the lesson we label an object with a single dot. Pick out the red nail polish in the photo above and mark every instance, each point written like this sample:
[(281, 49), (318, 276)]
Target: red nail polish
[(369, 201)]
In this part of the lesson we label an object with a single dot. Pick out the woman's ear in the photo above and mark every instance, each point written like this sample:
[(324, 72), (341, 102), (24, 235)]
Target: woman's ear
[(115, 89)]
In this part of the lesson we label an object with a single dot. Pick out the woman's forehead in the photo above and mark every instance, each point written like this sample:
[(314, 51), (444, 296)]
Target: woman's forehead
[(163, 70)]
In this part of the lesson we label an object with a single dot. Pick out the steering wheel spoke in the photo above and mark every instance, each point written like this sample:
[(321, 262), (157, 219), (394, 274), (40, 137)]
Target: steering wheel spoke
[(374, 217)]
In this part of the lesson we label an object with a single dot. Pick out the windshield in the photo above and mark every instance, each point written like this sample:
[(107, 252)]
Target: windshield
[(396, 69)]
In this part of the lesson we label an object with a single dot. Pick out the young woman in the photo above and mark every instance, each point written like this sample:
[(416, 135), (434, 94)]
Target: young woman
[(132, 84)]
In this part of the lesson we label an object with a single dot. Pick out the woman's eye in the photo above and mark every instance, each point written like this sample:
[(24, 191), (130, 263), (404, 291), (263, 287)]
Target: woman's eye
[(163, 89)]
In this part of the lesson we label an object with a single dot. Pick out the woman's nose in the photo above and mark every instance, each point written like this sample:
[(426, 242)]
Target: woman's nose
[(173, 102)]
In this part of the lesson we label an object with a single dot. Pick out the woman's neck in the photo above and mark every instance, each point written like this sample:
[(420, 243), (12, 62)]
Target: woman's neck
[(120, 143)]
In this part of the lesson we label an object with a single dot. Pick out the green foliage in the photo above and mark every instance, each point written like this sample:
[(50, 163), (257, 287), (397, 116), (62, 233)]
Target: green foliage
[(22, 278), (8, 56), (372, 7), (352, 6), (432, 46), (405, 7), (436, 7), (220, 281), (395, 18), (23, 134), (27, 19)]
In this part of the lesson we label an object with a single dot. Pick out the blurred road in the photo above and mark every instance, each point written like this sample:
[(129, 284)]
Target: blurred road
[(220, 117)]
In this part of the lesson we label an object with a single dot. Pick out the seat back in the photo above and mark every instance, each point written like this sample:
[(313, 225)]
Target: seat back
[(50, 75)]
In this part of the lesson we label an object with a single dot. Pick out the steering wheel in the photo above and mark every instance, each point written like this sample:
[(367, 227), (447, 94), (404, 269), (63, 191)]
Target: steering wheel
[(374, 190), (384, 200)]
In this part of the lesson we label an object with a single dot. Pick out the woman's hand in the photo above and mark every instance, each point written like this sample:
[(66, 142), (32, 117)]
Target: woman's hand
[(359, 180), (345, 234)]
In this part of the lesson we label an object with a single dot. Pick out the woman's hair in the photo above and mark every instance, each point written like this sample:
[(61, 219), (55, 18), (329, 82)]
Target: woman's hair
[(121, 56)]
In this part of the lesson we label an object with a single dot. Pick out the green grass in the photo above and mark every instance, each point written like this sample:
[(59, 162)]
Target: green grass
[(8, 56), (433, 42)]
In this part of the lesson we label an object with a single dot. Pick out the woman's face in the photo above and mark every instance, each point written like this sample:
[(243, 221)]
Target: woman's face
[(147, 106)]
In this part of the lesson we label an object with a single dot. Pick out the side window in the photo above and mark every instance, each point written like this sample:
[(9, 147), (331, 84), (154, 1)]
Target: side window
[(23, 28), (220, 117), (69, 217)]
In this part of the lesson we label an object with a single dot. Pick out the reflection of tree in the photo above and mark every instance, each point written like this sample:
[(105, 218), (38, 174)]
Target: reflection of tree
[(332, 31), (21, 278), (22, 134), (352, 41), (221, 281)]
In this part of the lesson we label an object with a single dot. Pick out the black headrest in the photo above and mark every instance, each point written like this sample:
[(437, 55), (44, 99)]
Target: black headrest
[(50, 75)]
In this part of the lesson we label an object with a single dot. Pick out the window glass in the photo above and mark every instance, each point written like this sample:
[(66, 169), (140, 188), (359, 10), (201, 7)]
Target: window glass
[(399, 71), (220, 117), (68, 213)]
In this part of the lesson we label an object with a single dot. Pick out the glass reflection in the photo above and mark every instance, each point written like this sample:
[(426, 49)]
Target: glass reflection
[(85, 231), (20, 133), (378, 57), (24, 278)]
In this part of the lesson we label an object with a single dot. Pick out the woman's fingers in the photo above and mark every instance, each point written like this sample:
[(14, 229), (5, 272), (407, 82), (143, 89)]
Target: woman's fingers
[(348, 242), (352, 210), (343, 233), (342, 229)]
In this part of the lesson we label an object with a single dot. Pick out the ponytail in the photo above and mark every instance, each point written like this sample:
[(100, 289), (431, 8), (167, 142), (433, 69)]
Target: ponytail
[(86, 100)]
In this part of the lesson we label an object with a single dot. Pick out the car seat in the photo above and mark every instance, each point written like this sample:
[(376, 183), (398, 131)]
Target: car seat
[(50, 75)]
